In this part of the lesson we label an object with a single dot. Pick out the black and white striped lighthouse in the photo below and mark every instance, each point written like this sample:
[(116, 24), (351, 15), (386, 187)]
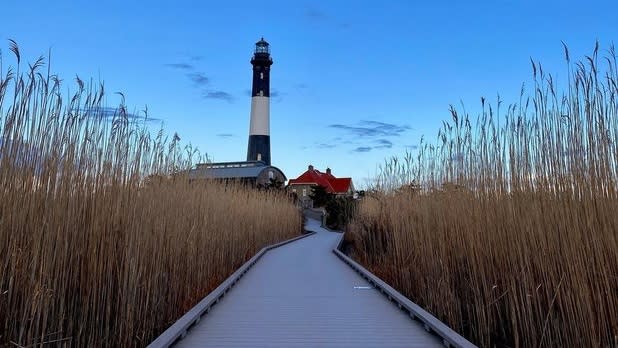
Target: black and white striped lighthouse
[(259, 128)]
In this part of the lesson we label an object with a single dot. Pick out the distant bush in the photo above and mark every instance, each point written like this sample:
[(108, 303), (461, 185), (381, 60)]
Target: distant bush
[(339, 209)]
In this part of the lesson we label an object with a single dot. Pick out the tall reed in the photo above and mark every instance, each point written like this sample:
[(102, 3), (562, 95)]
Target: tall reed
[(103, 240), (506, 227)]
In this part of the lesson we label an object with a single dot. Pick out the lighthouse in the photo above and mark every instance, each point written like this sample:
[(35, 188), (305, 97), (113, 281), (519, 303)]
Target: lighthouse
[(257, 170), (259, 126)]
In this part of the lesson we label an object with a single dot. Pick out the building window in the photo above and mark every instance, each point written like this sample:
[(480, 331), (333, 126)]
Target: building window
[(261, 75), (271, 174), (304, 192)]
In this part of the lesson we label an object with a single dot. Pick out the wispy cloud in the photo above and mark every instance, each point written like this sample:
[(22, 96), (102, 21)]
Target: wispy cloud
[(180, 66), (368, 135), (326, 146), (368, 128), (315, 13), (381, 144), (320, 16), (384, 143), (275, 94), (221, 95), (111, 113), (412, 147), (225, 135), (199, 79)]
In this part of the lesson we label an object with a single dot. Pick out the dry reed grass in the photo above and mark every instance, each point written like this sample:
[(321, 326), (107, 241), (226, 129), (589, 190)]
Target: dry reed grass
[(508, 232), (99, 245)]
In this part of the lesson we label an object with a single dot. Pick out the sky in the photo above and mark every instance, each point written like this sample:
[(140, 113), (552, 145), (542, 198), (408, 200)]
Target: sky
[(353, 82)]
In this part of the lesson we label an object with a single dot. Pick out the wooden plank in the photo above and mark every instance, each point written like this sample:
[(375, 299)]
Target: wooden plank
[(431, 323), (183, 324), (302, 295)]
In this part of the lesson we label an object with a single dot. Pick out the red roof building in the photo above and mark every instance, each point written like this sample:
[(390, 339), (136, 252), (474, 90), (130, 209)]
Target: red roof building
[(301, 186)]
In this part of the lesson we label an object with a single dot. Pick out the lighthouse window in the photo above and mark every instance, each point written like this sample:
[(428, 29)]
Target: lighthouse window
[(262, 75), (261, 93)]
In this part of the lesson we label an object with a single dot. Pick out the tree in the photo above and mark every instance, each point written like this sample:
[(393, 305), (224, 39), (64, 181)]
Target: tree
[(319, 195), (274, 183), (341, 210)]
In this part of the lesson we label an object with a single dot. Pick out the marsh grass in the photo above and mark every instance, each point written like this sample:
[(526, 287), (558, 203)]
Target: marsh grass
[(103, 240), (506, 227)]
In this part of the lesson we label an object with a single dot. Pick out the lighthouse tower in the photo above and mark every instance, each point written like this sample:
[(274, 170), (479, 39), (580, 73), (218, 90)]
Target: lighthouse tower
[(259, 128)]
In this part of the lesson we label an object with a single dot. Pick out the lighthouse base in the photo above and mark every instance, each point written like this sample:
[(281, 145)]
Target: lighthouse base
[(259, 148)]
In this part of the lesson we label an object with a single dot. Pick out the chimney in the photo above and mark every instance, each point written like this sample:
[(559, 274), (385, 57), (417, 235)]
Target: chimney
[(328, 171), (310, 168)]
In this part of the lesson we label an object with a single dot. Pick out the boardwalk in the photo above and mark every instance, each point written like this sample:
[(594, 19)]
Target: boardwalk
[(302, 295)]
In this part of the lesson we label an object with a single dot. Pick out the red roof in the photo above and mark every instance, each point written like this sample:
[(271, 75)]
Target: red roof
[(326, 180), (341, 184)]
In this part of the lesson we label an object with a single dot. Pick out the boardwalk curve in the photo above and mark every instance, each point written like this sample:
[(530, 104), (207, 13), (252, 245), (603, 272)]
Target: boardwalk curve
[(303, 295)]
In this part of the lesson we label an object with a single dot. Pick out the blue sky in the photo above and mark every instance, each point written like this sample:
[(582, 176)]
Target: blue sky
[(353, 82)]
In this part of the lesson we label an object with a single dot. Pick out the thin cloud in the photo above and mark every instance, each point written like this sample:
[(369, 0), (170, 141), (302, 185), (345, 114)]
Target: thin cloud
[(199, 79), (180, 66), (384, 144), (317, 15), (412, 147), (368, 128), (363, 149), (368, 135), (326, 146), (221, 95), (275, 94), (225, 135), (331, 143), (110, 113)]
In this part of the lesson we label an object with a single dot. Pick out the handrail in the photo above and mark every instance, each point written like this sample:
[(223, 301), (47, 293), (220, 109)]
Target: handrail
[(179, 329), (450, 338)]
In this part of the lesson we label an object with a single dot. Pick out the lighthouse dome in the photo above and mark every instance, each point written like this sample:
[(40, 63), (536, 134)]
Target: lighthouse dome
[(262, 46)]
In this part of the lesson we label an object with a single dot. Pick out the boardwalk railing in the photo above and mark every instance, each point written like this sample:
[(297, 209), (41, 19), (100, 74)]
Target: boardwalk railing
[(431, 324), (179, 329), (449, 337)]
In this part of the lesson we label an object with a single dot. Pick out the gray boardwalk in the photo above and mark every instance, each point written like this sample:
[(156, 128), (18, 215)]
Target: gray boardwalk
[(302, 295)]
